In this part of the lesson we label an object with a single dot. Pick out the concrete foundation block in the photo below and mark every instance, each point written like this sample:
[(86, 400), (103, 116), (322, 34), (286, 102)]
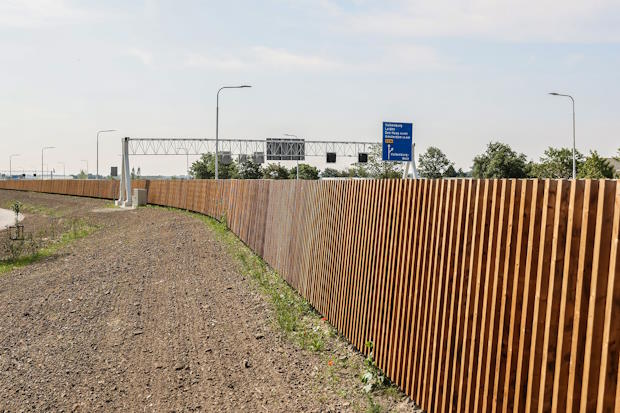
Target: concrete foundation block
[(138, 197)]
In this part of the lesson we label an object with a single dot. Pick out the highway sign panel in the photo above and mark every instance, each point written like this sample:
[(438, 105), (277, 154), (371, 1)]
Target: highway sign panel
[(397, 141)]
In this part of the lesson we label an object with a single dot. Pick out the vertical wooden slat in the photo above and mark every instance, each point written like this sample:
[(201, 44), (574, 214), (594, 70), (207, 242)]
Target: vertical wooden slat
[(540, 294), (608, 378), (496, 249), (598, 285), (584, 271), (551, 318), (464, 281), (538, 213)]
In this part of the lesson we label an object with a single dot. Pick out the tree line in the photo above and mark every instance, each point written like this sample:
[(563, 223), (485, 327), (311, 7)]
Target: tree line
[(499, 160)]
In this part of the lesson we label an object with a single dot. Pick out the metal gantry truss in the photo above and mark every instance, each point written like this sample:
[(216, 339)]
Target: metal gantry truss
[(287, 149), (269, 149)]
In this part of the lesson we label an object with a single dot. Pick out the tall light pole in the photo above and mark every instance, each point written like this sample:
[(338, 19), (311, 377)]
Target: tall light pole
[(217, 120), (98, 132), (86, 160), (186, 160), (297, 157), (43, 150), (64, 175), (573, 101), (11, 164)]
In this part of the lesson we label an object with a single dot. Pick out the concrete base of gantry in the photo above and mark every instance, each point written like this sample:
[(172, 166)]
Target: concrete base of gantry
[(138, 198), (123, 204)]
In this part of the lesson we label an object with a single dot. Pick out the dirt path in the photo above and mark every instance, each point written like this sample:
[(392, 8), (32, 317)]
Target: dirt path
[(149, 314)]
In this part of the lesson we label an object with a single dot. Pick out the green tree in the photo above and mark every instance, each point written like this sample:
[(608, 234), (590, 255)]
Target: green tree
[(249, 169), (500, 161), (332, 173), (305, 172), (435, 164), (204, 168), (379, 169), (556, 163), (450, 172), (357, 170), (275, 171), (82, 175), (595, 167)]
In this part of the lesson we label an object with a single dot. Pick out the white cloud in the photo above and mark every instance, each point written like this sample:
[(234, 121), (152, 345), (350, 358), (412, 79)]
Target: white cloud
[(33, 14), (406, 57), (284, 59), (574, 59), (212, 62), (503, 20), (262, 56), (414, 56), (144, 56)]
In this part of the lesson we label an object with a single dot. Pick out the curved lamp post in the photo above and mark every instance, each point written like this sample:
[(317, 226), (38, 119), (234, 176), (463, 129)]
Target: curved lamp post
[(217, 119), (573, 101), (98, 132)]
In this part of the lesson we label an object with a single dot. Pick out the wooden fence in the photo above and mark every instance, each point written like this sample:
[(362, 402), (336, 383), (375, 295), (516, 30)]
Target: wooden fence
[(478, 295)]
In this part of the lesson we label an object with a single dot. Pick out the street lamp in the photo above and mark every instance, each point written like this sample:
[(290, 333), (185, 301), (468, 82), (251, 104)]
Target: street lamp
[(101, 131), (64, 175), (217, 119), (86, 160), (297, 157), (11, 164), (186, 160), (43, 150), (573, 101)]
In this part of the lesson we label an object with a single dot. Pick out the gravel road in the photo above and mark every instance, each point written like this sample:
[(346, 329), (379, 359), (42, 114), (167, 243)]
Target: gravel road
[(148, 314)]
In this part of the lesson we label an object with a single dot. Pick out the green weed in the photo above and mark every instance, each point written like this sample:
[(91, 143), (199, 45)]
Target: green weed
[(77, 229), (32, 208)]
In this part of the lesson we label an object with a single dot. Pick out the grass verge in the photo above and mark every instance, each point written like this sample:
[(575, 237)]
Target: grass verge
[(34, 209), (77, 229)]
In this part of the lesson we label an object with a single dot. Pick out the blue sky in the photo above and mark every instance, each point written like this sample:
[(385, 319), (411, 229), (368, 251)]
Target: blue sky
[(464, 72)]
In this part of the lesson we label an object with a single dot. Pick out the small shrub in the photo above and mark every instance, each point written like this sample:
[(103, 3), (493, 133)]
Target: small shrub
[(372, 378)]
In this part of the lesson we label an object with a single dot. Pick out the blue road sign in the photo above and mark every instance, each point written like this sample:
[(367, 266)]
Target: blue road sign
[(397, 141)]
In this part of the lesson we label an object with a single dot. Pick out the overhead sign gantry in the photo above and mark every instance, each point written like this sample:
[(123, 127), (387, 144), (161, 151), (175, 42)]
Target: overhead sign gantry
[(258, 149)]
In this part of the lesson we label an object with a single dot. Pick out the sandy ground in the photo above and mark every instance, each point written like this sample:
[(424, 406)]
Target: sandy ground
[(150, 314), (7, 218)]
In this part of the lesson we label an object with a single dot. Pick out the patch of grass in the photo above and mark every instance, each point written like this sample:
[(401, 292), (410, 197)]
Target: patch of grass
[(78, 229), (392, 391), (34, 209), (373, 407)]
